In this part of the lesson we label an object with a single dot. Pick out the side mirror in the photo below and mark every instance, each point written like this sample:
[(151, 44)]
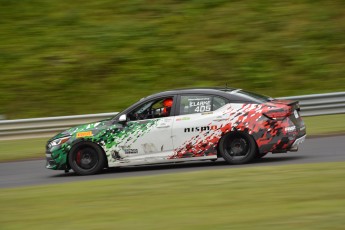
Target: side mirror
[(123, 118)]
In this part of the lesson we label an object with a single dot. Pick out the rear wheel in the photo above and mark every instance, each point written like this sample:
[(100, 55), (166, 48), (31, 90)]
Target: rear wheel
[(237, 148), (86, 159)]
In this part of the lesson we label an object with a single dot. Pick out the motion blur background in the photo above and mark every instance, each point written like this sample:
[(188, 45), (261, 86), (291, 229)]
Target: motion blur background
[(62, 57)]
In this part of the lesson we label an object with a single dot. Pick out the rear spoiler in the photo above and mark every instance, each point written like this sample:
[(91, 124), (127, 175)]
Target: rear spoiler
[(294, 104), (291, 103)]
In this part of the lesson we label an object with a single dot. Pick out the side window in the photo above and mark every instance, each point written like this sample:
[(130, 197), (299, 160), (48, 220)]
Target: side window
[(153, 109), (200, 103), (219, 102), (195, 104)]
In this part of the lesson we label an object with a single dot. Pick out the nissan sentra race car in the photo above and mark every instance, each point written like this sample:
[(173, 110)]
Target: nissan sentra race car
[(181, 125)]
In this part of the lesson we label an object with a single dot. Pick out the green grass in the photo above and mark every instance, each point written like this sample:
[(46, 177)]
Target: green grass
[(35, 148), (62, 57), (309, 196), (325, 125), (22, 149)]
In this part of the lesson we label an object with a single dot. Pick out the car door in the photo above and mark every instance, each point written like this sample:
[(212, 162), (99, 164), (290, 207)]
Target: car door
[(147, 134), (196, 126)]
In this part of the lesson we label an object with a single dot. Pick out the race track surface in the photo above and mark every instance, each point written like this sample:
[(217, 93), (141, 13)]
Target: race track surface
[(23, 173)]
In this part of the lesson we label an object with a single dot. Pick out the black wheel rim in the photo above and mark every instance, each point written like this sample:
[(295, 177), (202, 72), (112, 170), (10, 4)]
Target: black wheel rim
[(237, 148), (86, 158)]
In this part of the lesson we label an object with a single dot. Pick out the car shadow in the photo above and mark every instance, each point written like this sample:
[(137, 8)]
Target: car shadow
[(273, 159), (220, 163)]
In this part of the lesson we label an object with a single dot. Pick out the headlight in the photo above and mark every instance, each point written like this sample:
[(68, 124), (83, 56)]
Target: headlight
[(59, 141)]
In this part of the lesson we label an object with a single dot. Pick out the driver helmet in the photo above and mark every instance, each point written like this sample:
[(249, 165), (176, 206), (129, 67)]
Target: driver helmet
[(168, 102)]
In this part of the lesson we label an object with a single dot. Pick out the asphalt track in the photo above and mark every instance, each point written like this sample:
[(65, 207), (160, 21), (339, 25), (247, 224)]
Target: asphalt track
[(24, 173)]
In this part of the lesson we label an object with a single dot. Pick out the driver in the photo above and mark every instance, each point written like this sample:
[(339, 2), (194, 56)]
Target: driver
[(167, 103)]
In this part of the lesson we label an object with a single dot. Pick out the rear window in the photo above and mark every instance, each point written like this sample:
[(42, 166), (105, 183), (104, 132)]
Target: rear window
[(253, 97)]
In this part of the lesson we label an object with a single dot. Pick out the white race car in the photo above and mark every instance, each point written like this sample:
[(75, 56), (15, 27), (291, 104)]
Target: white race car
[(181, 125)]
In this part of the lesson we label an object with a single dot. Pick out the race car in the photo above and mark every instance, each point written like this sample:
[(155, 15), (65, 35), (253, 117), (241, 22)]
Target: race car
[(180, 126)]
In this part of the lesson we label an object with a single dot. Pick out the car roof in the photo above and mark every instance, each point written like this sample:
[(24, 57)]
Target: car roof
[(208, 90), (225, 92)]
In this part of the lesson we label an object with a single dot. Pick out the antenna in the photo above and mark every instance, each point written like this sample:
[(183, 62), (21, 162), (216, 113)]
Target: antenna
[(226, 86)]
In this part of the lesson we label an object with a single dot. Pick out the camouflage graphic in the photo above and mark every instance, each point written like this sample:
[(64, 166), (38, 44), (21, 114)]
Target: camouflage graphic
[(270, 135)]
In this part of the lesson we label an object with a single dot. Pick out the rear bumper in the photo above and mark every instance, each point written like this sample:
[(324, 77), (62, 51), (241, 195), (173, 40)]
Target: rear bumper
[(297, 142)]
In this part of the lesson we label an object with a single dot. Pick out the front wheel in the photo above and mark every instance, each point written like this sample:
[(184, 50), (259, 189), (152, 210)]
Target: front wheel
[(86, 159), (237, 148)]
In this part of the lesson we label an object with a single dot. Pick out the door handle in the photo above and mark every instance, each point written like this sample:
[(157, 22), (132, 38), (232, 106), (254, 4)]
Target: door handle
[(220, 119), (166, 126)]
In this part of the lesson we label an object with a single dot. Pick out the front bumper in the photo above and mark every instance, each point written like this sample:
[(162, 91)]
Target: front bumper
[(56, 160), (50, 163)]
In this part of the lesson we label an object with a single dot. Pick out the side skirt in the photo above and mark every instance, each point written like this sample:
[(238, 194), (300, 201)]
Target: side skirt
[(121, 163)]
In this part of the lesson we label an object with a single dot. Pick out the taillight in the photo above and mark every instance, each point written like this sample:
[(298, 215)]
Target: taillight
[(278, 114)]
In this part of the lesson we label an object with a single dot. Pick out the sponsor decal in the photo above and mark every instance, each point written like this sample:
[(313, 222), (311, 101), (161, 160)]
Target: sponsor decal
[(128, 150), (84, 134), (183, 119), (131, 151), (200, 129), (296, 114), (290, 129), (200, 105), (207, 113)]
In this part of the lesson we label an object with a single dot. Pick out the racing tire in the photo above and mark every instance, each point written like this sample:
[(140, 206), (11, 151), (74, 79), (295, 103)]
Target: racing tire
[(86, 159), (237, 148)]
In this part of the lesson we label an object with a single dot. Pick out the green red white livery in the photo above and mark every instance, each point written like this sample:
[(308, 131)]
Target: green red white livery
[(181, 125)]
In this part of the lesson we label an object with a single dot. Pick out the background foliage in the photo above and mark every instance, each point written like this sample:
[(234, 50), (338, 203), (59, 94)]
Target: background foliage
[(62, 57)]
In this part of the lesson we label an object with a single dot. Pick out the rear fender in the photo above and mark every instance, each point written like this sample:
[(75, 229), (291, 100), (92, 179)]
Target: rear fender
[(234, 132)]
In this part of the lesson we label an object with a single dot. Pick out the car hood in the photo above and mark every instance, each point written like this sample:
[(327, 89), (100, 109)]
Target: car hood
[(94, 127)]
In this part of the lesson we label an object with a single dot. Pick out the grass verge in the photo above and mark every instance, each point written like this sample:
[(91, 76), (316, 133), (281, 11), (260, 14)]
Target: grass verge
[(11, 150), (308, 196), (325, 125), (34, 148)]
